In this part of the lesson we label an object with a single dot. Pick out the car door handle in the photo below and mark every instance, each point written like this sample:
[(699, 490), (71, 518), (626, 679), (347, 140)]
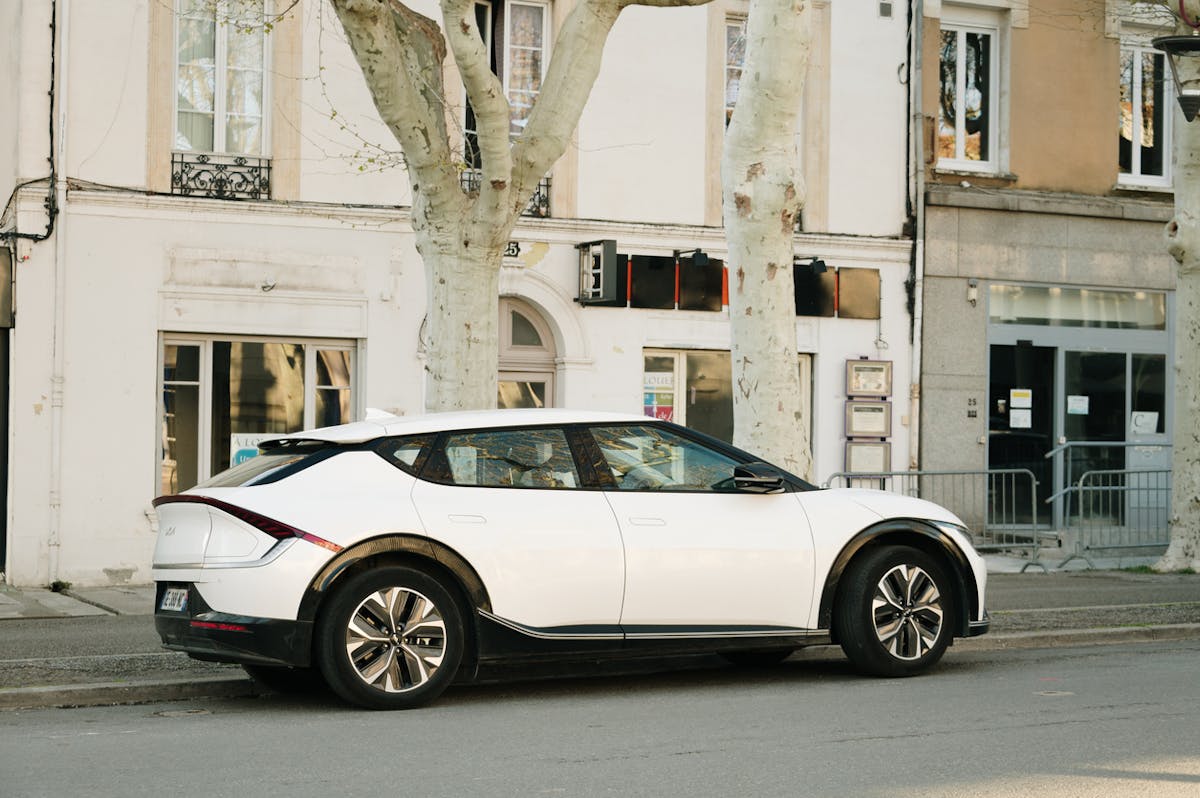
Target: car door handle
[(467, 519), (647, 522)]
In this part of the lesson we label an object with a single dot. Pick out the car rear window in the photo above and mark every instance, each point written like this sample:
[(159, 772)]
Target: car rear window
[(266, 468)]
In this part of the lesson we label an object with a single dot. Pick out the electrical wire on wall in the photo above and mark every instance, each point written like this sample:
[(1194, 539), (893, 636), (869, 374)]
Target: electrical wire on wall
[(52, 180)]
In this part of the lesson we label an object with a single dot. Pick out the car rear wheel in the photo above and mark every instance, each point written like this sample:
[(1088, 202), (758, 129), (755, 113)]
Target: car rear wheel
[(895, 610), (390, 638)]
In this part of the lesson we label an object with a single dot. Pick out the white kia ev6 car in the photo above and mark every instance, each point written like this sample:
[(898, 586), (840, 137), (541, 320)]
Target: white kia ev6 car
[(389, 557)]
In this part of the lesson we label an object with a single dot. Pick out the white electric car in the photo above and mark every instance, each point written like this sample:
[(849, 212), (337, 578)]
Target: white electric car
[(391, 556)]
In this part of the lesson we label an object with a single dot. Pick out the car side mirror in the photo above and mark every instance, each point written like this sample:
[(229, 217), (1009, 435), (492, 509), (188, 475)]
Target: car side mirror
[(757, 478)]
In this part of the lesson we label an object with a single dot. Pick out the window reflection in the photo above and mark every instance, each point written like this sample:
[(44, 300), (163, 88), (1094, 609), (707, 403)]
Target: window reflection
[(1058, 306), (257, 388)]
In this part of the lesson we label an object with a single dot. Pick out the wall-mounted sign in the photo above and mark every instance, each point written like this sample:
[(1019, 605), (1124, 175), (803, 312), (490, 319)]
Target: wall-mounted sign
[(868, 458), (868, 378), (868, 419)]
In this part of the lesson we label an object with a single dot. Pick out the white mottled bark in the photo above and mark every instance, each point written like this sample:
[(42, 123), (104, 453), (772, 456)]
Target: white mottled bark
[(461, 236), (1183, 242), (762, 193)]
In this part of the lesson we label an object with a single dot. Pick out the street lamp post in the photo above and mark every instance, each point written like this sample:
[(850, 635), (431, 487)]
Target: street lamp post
[(1177, 47)]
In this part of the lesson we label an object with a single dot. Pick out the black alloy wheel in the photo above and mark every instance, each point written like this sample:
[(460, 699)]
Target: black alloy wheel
[(390, 638), (895, 612)]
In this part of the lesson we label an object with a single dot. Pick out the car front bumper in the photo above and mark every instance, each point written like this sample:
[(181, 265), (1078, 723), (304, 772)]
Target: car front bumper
[(213, 636)]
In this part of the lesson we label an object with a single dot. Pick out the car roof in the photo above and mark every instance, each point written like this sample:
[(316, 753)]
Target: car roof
[(380, 425)]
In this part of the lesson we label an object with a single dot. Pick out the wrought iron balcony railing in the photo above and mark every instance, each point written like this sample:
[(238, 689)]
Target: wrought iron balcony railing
[(220, 176), (539, 203)]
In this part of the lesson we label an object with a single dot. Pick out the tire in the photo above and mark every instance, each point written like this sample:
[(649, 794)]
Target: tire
[(756, 659), (895, 611), (289, 681), (390, 638)]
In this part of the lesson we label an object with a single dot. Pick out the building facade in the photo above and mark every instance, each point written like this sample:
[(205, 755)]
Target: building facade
[(209, 242), (1048, 294)]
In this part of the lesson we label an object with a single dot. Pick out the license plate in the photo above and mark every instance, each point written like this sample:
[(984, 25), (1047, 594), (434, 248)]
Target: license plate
[(174, 599)]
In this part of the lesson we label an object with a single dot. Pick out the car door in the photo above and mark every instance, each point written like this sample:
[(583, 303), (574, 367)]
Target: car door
[(698, 553), (508, 500)]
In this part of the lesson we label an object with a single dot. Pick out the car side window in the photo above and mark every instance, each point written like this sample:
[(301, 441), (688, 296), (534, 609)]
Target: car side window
[(405, 453), (513, 458), (647, 457)]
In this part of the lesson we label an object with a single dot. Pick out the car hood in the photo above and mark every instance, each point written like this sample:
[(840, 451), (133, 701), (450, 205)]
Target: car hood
[(894, 505)]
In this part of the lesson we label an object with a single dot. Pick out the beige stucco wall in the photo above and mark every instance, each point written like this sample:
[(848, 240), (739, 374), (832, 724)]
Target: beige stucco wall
[(1059, 80)]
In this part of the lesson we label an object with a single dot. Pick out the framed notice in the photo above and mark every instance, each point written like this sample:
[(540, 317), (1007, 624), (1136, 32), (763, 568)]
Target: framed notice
[(868, 419), (868, 378), (868, 457)]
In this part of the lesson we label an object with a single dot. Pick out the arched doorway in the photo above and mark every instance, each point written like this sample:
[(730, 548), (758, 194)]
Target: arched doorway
[(527, 357)]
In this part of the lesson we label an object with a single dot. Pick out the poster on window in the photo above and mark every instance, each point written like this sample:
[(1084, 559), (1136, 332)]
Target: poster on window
[(658, 400), (244, 445)]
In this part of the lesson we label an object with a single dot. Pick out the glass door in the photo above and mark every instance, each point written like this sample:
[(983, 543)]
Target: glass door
[(1021, 425)]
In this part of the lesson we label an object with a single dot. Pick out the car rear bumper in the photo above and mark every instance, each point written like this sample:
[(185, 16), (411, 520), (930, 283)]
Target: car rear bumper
[(222, 637)]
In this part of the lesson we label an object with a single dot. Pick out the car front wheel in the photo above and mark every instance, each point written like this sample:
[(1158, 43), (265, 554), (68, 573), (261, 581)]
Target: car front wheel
[(390, 638), (894, 613)]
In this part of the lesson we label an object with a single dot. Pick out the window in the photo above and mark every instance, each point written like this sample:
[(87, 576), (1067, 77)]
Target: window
[(967, 107), (1143, 125), (735, 57), (1056, 306), (406, 453), (220, 397), (844, 292), (516, 35), (527, 357), (649, 458), (220, 76), (520, 458)]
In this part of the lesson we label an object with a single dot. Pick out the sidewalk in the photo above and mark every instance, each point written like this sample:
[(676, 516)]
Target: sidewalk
[(95, 646)]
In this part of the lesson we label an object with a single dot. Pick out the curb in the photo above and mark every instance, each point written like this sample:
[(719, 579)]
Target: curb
[(132, 692), (1066, 638)]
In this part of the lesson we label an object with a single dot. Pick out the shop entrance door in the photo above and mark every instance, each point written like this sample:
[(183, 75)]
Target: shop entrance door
[(1021, 423)]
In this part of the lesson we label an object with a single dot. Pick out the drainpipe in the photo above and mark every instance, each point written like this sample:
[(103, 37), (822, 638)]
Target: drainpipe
[(62, 10), (916, 126)]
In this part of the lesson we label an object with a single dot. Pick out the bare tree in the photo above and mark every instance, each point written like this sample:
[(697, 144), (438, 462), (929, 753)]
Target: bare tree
[(1183, 242), (762, 195), (461, 234)]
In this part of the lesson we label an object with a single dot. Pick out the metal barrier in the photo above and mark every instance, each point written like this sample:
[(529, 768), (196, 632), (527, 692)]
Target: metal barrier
[(1000, 506), (1117, 509)]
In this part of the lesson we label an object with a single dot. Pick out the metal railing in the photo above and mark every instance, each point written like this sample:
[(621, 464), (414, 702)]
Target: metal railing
[(1073, 458), (220, 176), (1000, 506), (1117, 510)]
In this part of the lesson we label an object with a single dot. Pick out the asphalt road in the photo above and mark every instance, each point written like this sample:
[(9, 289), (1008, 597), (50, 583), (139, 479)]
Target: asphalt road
[(1110, 720)]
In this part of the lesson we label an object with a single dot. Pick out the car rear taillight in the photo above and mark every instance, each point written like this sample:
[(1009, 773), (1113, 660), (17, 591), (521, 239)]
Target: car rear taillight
[(268, 526)]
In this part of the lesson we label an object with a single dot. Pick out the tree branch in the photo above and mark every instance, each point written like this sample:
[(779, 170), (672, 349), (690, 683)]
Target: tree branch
[(401, 54), (491, 108)]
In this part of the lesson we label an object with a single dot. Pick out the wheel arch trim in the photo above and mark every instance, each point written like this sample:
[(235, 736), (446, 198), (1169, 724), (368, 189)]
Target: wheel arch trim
[(417, 546), (919, 532)]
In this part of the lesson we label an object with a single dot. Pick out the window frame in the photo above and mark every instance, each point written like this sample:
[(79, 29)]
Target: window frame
[(959, 163), (731, 21), (220, 87), (205, 468), (1135, 178)]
